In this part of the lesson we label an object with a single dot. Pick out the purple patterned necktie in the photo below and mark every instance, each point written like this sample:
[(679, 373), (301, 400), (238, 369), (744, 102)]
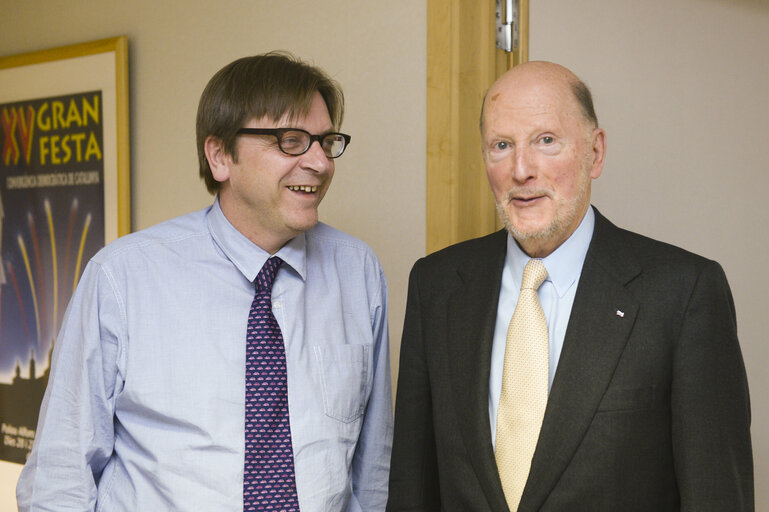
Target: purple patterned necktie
[(268, 476)]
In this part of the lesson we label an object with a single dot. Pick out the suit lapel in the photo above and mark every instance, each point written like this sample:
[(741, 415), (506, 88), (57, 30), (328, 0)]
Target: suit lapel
[(599, 325), (472, 310)]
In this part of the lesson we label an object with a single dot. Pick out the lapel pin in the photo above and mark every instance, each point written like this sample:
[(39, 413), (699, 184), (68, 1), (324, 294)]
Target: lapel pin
[(620, 314)]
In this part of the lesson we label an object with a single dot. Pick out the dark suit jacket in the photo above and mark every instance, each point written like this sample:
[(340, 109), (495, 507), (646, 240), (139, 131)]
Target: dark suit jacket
[(649, 409)]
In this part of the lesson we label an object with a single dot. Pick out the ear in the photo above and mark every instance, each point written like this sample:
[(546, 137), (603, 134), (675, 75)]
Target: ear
[(599, 152), (218, 159)]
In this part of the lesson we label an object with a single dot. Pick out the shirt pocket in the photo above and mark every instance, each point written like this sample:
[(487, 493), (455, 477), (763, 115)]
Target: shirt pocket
[(343, 371)]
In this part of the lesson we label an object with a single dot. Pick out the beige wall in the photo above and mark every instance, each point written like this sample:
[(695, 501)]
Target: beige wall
[(681, 87), (375, 49)]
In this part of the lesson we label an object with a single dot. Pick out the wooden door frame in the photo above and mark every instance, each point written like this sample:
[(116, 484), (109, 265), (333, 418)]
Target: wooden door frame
[(462, 62)]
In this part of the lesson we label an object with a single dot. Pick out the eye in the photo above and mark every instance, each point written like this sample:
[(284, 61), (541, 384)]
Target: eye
[(501, 145), (293, 140), (330, 140), (547, 139)]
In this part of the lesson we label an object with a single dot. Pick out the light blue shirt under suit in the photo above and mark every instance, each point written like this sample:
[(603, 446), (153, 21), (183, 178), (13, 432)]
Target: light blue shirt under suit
[(556, 294)]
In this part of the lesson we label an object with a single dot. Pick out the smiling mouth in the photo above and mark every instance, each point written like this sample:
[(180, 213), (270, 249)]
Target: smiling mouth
[(523, 197), (307, 189), (525, 200)]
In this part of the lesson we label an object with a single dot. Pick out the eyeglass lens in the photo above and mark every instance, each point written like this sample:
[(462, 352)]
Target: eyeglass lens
[(295, 142)]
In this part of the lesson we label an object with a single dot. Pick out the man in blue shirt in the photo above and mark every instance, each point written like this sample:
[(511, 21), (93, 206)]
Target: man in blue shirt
[(147, 407)]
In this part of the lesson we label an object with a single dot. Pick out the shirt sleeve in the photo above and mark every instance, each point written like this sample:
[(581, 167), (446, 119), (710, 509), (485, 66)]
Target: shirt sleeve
[(371, 462), (75, 434)]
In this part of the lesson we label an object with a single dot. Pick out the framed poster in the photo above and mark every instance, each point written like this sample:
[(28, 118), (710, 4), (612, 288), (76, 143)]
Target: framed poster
[(64, 193)]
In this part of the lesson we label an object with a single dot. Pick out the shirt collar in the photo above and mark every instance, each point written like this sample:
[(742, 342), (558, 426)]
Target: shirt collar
[(564, 265), (246, 255)]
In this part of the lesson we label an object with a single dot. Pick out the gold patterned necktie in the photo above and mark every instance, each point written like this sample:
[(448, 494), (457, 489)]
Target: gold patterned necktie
[(525, 380)]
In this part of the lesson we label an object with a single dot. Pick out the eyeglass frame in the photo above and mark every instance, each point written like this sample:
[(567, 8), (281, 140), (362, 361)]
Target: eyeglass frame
[(278, 133)]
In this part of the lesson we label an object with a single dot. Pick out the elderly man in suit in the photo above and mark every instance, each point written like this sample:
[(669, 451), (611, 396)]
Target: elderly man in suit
[(565, 364)]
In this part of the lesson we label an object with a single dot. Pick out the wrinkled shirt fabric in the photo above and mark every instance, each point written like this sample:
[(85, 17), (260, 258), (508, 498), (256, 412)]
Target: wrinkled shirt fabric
[(144, 408)]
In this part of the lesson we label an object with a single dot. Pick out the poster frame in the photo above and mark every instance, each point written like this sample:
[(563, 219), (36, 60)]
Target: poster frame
[(95, 67)]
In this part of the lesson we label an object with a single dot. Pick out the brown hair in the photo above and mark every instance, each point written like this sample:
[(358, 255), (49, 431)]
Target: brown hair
[(272, 85), (585, 101)]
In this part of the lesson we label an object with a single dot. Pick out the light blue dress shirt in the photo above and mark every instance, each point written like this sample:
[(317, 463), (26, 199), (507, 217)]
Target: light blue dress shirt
[(564, 266), (144, 409)]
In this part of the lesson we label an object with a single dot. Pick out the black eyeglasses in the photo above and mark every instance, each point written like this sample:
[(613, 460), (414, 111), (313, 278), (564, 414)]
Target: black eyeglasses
[(295, 141)]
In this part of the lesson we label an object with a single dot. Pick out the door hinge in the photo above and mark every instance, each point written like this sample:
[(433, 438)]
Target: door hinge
[(506, 21)]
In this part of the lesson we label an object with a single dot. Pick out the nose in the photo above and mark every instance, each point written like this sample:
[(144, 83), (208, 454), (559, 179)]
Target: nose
[(523, 167), (316, 159)]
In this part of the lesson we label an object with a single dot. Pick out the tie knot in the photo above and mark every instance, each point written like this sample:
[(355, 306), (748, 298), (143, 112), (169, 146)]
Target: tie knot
[(266, 275), (534, 274)]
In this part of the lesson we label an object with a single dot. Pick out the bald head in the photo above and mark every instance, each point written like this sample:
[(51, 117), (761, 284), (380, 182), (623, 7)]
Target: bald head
[(536, 74)]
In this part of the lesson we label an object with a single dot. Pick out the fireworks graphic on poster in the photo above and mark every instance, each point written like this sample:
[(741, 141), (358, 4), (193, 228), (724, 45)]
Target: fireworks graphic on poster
[(47, 303)]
